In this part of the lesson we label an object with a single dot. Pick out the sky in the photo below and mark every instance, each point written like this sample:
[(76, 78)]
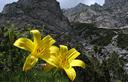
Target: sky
[(63, 3), (72, 3)]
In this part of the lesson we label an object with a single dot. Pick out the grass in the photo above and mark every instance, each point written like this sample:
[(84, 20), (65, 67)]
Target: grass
[(31, 76), (12, 59), (123, 41)]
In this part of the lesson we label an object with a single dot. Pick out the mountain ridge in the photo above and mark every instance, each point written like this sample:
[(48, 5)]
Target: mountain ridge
[(36, 13), (110, 15)]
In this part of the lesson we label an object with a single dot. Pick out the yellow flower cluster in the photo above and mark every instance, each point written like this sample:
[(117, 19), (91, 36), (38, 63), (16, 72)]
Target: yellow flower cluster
[(59, 57)]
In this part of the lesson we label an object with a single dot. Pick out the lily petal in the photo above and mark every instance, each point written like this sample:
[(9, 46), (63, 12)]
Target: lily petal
[(36, 36), (63, 50), (48, 67), (25, 44), (72, 54), (30, 62), (71, 73), (54, 49), (46, 43), (78, 63), (48, 40), (50, 58)]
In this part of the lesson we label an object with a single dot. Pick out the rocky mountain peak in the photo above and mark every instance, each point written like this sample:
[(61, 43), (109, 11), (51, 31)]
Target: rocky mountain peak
[(40, 4), (36, 13), (113, 14), (81, 5)]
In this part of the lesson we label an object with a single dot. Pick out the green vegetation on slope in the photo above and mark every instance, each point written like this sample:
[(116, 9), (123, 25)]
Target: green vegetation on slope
[(11, 58)]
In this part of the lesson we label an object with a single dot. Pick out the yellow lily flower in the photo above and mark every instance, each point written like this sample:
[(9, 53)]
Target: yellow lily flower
[(39, 48), (65, 59)]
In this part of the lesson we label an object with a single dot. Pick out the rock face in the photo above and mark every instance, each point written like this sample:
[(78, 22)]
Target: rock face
[(36, 13), (119, 4), (109, 40), (113, 14)]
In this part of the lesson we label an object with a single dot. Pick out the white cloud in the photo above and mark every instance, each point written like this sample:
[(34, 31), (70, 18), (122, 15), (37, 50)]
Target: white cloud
[(89, 2), (72, 3), (69, 3)]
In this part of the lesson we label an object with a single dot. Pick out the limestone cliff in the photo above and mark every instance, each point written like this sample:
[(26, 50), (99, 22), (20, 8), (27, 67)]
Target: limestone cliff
[(113, 14), (36, 13)]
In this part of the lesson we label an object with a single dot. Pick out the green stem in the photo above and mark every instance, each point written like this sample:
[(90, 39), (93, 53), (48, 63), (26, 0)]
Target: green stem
[(53, 75)]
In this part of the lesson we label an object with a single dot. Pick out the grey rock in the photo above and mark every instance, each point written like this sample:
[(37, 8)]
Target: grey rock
[(112, 15), (36, 13)]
